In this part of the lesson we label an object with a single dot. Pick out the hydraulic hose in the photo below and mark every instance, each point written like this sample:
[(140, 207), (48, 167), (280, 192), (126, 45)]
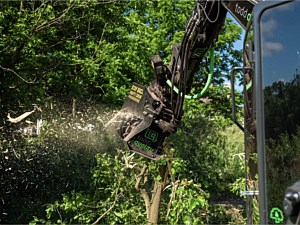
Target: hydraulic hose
[(208, 81)]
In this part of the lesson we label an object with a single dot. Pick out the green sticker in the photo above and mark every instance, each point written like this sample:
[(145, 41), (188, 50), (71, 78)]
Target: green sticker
[(144, 147), (277, 215), (151, 135)]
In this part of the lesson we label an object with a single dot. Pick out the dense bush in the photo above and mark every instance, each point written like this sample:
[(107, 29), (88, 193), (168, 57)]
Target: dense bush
[(214, 148), (112, 198), (282, 166)]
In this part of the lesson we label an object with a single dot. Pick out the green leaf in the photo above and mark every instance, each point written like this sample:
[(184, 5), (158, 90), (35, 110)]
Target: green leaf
[(186, 219)]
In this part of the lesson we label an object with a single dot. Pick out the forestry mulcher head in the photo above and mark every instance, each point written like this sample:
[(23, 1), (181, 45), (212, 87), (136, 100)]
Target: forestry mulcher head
[(146, 122)]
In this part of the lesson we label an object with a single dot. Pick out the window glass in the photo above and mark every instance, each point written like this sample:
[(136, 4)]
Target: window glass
[(281, 89)]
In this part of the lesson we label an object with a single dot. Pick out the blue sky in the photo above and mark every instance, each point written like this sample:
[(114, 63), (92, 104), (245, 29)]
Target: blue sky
[(239, 46), (280, 43)]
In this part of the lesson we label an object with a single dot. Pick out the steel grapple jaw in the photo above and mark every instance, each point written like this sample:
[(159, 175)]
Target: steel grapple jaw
[(146, 121)]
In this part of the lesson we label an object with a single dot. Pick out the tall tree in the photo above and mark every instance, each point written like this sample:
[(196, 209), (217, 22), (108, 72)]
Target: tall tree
[(94, 50)]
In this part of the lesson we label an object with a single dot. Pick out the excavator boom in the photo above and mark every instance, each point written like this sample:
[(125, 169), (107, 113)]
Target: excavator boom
[(150, 114)]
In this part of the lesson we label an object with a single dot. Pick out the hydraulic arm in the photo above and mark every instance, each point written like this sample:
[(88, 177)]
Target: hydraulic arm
[(152, 113)]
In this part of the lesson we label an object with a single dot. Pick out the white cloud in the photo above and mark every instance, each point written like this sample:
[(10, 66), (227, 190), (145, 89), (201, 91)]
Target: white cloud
[(268, 29), (270, 47)]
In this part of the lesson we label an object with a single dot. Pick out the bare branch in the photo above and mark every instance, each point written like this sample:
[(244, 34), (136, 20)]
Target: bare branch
[(173, 195), (23, 116), (4, 49), (55, 20), (19, 118), (128, 162), (106, 2), (101, 38), (110, 208), (15, 73), (142, 190)]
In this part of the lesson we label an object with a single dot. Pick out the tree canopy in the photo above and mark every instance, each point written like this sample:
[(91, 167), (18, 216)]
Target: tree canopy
[(75, 61)]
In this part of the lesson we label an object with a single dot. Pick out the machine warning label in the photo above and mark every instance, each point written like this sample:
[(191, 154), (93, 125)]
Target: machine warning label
[(135, 93)]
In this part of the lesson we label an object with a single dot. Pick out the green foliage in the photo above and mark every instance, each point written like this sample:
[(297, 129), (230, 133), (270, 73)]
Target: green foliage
[(190, 206), (88, 49), (112, 198), (84, 49), (56, 51), (227, 57), (212, 150), (281, 100), (110, 190), (225, 214), (282, 165)]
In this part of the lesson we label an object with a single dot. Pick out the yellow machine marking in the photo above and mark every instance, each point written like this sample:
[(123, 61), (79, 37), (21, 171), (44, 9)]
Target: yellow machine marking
[(136, 94), (134, 99)]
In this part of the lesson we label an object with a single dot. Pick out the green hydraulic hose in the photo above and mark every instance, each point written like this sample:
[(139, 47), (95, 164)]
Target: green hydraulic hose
[(249, 85), (208, 82)]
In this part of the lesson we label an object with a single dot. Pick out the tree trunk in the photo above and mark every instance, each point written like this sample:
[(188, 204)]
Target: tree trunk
[(155, 203), (156, 195), (152, 207)]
